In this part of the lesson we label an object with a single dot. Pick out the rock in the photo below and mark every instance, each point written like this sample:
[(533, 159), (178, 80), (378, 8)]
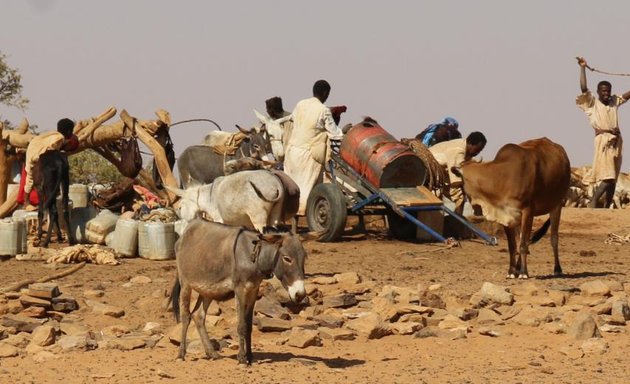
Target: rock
[(608, 328), (453, 322), (430, 299), (113, 331), (496, 294), (271, 308), (330, 319), (36, 312), (340, 301), (436, 317), (94, 293), (583, 327), (21, 323), (43, 290), (140, 280), (620, 313), (44, 356), (485, 331), (399, 294), (324, 280), (105, 309), (489, 317), (7, 350), (19, 340), (572, 352), (594, 347), (125, 343), (435, 287), (595, 288), (43, 336), (335, 333), (64, 303), (370, 325), (267, 324), (84, 342), (28, 301), (302, 338), (152, 328), (347, 278), (532, 316), (527, 288), (406, 328)]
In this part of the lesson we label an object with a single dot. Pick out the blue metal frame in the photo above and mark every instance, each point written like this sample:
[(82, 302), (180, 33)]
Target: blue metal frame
[(377, 195)]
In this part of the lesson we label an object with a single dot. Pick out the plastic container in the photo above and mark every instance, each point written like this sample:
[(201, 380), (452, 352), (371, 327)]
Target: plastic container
[(79, 217), (79, 195), (156, 240), (12, 188), (380, 158), (125, 240), (99, 227), (12, 236)]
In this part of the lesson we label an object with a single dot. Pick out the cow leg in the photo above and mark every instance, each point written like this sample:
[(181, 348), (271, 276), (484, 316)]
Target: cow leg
[(527, 219), (184, 310), (510, 234), (554, 216), (200, 321)]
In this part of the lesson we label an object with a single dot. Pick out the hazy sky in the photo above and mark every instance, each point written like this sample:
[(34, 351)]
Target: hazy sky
[(506, 68)]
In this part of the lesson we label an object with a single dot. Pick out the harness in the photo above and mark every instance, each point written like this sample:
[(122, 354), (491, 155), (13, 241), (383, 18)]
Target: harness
[(255, 257)]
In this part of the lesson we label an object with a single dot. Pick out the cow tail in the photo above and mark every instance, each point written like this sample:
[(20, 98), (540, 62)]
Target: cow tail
[(177, 287), (540, 232), (260, 194)]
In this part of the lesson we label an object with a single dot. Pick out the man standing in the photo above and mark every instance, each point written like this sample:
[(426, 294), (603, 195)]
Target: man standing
[(602, 114), (306, 150), (453, 153)]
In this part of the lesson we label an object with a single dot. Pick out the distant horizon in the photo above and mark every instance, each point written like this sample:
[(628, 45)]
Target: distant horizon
[(505, 69)]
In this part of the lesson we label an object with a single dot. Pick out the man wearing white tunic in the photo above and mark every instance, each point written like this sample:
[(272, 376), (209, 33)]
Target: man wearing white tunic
[(306, 150), (453, 153), (602, 114)]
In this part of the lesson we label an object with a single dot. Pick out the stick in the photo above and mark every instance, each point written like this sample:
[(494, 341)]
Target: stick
[(19, 285)]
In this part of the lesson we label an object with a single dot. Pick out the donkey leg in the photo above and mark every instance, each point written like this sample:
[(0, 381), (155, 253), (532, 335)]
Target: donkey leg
[(209, 346), (184, 310)]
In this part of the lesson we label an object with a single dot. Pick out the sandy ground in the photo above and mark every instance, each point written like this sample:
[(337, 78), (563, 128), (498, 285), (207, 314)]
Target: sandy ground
[(521, 354)]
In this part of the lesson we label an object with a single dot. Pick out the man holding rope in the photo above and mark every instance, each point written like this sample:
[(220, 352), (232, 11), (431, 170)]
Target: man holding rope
[(602, 114)]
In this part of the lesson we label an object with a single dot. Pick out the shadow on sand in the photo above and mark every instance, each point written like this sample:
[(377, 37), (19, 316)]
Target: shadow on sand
[(273, 357)]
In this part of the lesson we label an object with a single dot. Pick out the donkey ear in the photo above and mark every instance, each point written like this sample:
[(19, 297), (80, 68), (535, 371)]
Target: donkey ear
[(263, 119), (243, 130), (312, 235), (272, 237), (177, 191)]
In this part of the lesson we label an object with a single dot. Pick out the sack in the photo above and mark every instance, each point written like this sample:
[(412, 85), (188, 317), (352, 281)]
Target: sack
[(130, 158)]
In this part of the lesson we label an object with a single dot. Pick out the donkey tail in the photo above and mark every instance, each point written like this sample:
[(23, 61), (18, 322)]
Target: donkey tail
[(540, 232), (177, 287), (270, 199)]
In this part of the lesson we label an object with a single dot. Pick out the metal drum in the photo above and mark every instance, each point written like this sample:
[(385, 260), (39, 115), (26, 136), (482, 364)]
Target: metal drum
[(380, 158)]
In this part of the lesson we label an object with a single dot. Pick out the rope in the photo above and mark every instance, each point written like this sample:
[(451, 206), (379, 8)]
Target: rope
[(195, 120), (604, 72)]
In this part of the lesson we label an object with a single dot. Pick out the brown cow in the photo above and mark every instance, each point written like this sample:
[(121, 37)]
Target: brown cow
[(525, 180)]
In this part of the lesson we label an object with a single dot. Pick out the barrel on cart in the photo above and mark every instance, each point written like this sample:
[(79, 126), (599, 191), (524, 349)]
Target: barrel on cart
[(372, 173)]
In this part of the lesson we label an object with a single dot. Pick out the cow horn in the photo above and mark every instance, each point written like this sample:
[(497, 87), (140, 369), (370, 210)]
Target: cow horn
[(177, 191)]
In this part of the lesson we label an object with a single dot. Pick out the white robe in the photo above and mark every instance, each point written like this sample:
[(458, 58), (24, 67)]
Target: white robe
[(306, 149)]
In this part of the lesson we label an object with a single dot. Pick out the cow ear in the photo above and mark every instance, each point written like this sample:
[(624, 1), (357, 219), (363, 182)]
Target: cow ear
[(177, 191), (457, 171)]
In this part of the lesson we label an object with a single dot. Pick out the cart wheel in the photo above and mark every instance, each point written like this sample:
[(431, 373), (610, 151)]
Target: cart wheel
[(326, 210), (399, 227)]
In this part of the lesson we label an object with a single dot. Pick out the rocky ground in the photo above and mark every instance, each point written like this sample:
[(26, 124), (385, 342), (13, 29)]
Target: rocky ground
[(379, 310)]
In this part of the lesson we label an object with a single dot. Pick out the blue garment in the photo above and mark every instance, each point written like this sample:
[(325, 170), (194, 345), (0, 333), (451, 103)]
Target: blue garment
[(427, 136)]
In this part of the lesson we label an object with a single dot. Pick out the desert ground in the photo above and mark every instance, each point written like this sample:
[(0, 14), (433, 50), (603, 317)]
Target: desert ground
[(452, 335)]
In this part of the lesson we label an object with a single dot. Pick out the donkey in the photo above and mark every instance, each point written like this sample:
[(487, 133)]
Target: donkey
[(201, 164), (219, 261), (51, 172)]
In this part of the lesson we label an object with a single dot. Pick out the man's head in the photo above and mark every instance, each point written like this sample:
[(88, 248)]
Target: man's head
[(475, 143), (274, 107), (321, 90), (65, 127), (604, 90)]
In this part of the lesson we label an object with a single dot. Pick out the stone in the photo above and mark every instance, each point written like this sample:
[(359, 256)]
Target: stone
[(594, 346), (336, 333), (94, 293), (324, 280), (140, 280), (489, 317), (19, 340), (430, 299), (595, 288), (620, 313), (583, 327), (44, 356), (271, 308), (496, 294), (77, 343), (117, 330), (302, 338), (125, 343), (152, 328), (43, 290), (105, 309), (21, 323), (340, 301), (64, 303), (406, 328), (267, 324), (36, 312), (28, 301), (532, 316), (347, 278), (7, 350), (370, 325), (43, 336), (452, 322)]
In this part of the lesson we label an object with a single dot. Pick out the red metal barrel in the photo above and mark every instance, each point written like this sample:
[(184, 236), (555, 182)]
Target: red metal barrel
[(380, 158)]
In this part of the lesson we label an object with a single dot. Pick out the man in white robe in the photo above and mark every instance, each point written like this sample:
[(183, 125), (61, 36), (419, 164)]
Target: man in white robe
[(307, 147), (602, 115)]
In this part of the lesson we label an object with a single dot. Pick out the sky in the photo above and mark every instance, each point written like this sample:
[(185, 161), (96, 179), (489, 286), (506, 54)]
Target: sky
[(505, 68)]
